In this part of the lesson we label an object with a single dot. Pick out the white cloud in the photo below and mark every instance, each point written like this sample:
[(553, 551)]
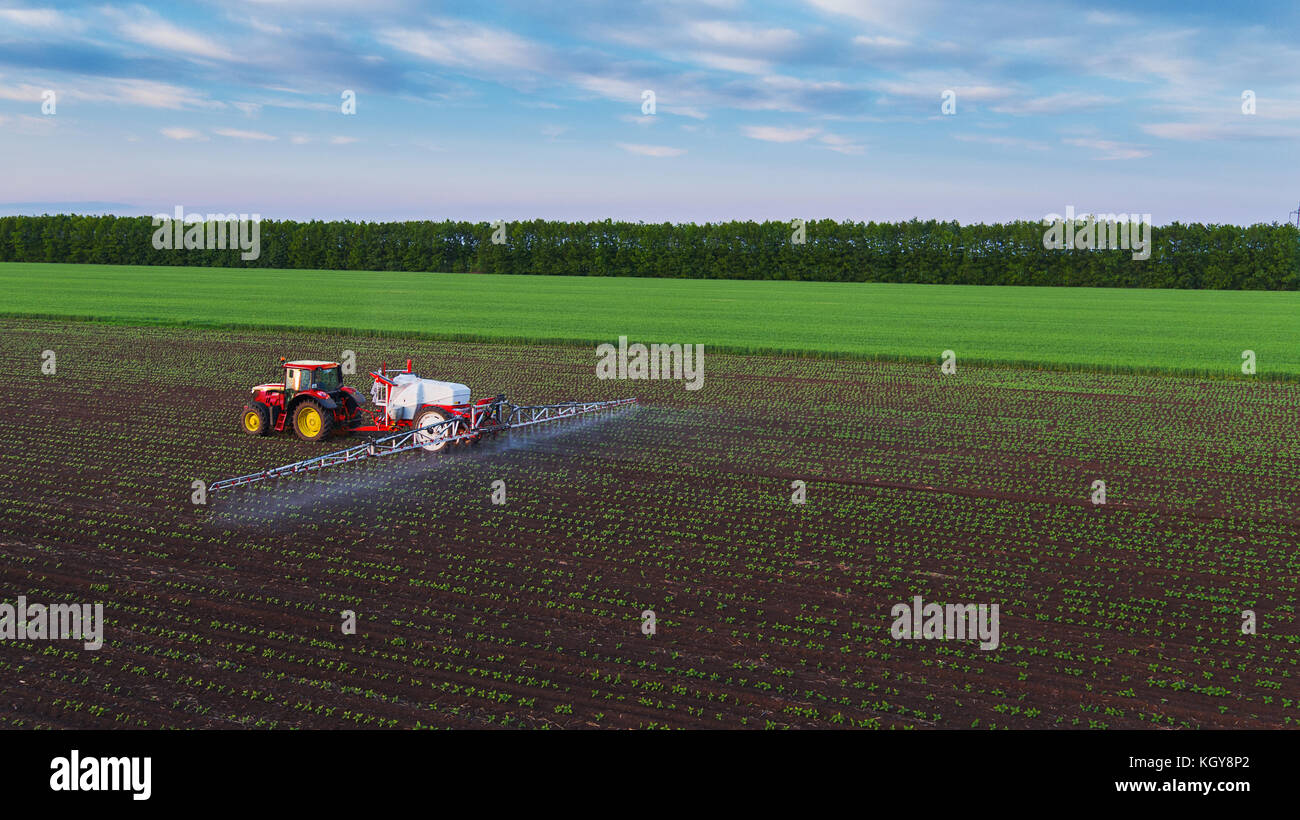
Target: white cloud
[(1109, 148), (651, 150), (177, 133), (151, 94), (843, 145), (891, 14), (610, 87), (159, 33), (685, 111), (880, 42), (146, 93), (786, 83), (265, 27), (1009, 142), (1107, 18), (468, 45), (740, 65), (1213, 132), (235, 133), (930, 86), (1191, 131), (498, 55), (339, 140), (1064, 102), (771, 133), (733, 35), (1172, 57), (21, 93), (33, 18), (299, 140), (297, 105)]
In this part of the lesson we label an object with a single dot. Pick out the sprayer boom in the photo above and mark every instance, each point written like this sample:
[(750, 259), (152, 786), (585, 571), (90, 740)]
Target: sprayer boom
[(488, 417)]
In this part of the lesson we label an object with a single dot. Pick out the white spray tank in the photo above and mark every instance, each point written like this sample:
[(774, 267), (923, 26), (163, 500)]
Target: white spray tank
[(409, 392)]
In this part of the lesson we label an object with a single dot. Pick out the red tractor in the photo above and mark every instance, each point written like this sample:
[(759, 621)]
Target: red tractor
[(312, 400)]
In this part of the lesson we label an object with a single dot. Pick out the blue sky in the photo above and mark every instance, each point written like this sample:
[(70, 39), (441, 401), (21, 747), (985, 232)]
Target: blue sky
[(824, 108)]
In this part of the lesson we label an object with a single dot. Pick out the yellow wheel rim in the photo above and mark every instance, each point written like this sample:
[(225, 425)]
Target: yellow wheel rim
[(252, 421), (309, 421)]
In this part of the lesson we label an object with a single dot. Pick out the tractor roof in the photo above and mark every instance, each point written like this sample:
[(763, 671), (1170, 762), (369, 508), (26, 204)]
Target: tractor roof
[(311, 363)]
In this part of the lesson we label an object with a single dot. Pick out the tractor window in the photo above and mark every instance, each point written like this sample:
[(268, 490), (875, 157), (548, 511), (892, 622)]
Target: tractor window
[(327, 379), (293, 379)]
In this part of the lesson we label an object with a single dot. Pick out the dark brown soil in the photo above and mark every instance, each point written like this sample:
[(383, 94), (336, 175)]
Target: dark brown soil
[(973, 488)]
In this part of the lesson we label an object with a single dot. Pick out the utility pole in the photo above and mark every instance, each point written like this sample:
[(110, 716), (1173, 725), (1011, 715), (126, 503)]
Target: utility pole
[(1296, 214)]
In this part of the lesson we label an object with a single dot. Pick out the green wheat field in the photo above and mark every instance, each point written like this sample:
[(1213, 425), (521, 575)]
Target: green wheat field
[(1175, 331)]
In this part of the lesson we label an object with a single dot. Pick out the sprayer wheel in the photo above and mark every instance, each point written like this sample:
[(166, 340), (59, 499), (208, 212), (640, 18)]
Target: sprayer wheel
[(424, 419)]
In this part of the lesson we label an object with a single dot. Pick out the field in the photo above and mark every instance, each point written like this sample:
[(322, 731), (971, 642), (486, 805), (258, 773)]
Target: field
[(973, 487), (1189, 332)]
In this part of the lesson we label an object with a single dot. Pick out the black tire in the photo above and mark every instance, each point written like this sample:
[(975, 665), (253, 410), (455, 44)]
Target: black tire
[(423, 418), (307, 429), (255, 419)]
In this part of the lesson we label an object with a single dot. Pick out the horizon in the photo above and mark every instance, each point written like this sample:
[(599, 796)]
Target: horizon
[(201, 215)]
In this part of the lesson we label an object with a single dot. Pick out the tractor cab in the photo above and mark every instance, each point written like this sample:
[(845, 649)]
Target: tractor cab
[(312, 375)]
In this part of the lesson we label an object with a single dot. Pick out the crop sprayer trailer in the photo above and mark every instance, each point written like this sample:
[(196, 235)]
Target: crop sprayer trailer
[(419, 413)]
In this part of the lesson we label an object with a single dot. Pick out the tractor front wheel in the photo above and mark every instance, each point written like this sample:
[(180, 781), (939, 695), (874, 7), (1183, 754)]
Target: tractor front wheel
[(256, 419), (311, 422)]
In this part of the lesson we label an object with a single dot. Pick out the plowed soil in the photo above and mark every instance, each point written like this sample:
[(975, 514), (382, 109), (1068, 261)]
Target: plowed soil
[(974, 488)]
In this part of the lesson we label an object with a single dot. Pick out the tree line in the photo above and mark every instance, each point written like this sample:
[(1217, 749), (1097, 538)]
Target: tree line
[(1222, 257)]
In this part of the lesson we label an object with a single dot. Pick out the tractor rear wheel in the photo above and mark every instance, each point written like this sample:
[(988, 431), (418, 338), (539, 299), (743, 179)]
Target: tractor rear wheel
[(311, 422), (256, 419), (432, 440)]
